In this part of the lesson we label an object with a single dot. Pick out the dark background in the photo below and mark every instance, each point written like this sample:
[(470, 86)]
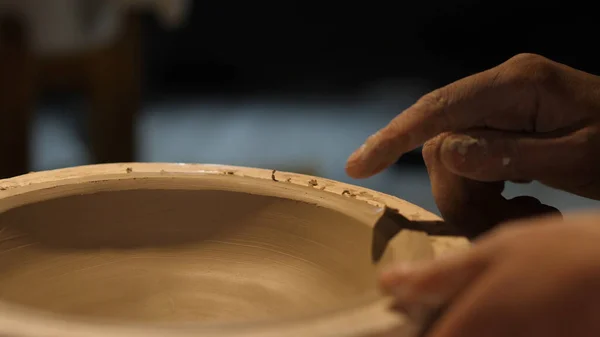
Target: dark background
[(239, 46), (297, 85)]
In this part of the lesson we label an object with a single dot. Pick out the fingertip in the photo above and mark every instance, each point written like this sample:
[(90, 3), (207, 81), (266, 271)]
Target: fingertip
[(355, 170), (402, 283), (387, 280), (361, 165), (398, 274), (355, 166), (378, 152), (356, 156)]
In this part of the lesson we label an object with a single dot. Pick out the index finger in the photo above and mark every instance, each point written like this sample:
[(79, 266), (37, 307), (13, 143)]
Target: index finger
[(460, 105)]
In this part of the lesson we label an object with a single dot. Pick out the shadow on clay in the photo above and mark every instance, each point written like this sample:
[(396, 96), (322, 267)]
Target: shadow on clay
[(132, 219)]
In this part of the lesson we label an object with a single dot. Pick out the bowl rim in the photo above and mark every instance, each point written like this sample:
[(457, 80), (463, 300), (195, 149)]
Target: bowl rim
[(366, 314)]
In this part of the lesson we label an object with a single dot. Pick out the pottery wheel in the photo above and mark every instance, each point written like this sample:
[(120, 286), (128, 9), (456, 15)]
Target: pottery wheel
[(181, 256)]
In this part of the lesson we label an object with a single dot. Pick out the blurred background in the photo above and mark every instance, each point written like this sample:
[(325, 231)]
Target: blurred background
[(287, 85)]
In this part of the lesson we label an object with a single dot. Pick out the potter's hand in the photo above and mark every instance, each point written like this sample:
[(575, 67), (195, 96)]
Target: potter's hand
[(526, 119), (538, 278)]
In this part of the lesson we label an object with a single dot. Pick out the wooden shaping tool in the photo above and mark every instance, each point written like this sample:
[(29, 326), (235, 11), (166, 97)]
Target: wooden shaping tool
[(395, 240)]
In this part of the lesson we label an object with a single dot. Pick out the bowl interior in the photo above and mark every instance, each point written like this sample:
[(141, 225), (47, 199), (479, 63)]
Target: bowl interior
[(156, 255)]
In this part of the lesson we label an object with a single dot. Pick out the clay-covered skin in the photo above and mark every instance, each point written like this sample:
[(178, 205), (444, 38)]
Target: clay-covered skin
[(533, 278), (527, 119), (182, 256)]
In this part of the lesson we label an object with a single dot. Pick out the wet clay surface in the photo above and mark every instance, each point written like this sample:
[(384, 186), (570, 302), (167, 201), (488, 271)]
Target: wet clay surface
[(181, 256)]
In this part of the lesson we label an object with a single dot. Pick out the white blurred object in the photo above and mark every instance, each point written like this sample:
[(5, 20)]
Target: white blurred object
[(67, 26)]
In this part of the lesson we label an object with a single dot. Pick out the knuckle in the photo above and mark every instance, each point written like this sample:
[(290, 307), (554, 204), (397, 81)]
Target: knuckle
[(529, 58), (435, 101), (530, 68), (436, 104)]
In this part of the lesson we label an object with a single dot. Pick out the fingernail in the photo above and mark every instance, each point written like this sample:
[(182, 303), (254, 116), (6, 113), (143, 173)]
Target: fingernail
[(356, 155), (363, 150)]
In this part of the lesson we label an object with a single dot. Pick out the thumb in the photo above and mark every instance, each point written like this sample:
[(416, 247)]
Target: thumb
[(434, 282), (420, 289), (490, 156)]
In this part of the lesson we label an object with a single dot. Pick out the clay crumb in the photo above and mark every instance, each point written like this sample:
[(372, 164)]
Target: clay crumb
[(313, 182), (229, 173), (322, 188), (129, 170), (415, 216), (288, 180), (3, 188), (273, 175), (505, 161), (163, 171), (348, 193)]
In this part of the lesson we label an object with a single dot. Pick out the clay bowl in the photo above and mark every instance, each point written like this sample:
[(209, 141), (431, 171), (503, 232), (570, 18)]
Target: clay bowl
[(193, 250)]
